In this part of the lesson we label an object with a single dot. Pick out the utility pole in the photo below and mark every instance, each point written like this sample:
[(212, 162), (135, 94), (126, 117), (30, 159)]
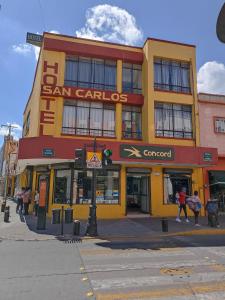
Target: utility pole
[(10, 127)]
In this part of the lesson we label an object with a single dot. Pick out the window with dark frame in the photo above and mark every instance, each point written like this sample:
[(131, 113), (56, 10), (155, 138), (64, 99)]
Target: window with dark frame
[(90, 73), (88, 118), (173, 120), (174, 182), (172, 75), (132, 78), (62, 186), (131, 122), (107, 187), (219, 124)]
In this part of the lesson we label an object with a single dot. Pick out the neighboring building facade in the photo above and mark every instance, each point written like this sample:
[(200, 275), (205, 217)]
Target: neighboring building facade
[(8, 161), (212, 133), (139, 102)]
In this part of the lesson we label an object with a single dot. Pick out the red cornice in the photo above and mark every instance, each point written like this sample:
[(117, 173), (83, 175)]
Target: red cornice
[(74, 48)]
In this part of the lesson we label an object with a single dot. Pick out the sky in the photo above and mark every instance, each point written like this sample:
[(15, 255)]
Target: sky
[(124, 21)]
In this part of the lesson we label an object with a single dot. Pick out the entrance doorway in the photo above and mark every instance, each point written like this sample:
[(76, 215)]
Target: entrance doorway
[(138, 192)]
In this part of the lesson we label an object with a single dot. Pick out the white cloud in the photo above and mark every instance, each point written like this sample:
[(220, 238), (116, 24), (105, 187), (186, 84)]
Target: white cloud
[(16, 131), (211, 78), (110, 23), (27, 49)]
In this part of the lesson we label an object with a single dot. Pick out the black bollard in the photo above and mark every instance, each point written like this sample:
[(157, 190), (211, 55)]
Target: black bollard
[(76, 227), (164, 224), (6, 214), (3, 206)]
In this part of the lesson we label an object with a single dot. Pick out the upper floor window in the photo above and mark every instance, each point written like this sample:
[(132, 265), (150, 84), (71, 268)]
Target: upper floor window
[(219, 124), (26, 125), (173, 120), (132, 78), (90, 73), (131, 122), (88, 118), (172, 75)]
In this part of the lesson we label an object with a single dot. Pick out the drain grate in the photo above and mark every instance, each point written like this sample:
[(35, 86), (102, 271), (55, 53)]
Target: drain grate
[(72, 241)]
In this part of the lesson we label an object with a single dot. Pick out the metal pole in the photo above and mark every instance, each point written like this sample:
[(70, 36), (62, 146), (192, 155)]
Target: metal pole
[(62, 220), (92, 219)]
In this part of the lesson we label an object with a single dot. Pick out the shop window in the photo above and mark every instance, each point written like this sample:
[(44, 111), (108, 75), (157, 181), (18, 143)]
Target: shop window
[(172, 75), (90, 73), (173, 120), (107, 187), (217, 187), (219, 124), (132, 78), (131, 122), (175, 181), (62, 185), (88, 118)]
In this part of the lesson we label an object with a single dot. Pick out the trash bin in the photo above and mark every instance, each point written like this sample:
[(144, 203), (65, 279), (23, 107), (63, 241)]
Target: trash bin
[(6, 214), (164, 225), (56, 216), (68, 215), (76, 227)]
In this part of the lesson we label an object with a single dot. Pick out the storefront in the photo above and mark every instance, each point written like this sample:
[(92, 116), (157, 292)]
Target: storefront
[(142, 179)]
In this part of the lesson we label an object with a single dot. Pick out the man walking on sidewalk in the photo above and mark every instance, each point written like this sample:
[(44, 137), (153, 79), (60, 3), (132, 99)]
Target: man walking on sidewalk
[(182, 205)]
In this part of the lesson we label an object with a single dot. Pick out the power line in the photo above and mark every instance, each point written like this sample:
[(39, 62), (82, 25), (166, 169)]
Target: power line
[(10, 127)]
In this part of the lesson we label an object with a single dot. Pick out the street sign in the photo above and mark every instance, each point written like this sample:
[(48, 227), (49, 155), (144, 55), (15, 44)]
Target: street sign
[(34, 39), (94, 160), (47, 152)]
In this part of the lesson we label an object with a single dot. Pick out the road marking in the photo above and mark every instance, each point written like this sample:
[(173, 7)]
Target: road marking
[(151, 281), (202, 288), (176, 271), (90, 294), (84, 279)]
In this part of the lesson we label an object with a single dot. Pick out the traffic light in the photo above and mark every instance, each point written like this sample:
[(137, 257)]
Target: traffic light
[(106, 157), (80, 158)]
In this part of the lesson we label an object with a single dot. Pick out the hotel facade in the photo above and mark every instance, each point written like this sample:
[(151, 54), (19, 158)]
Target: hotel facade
[(141, 102)]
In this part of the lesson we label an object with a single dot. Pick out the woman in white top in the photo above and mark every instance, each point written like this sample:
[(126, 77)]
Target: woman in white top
[(194, 204)]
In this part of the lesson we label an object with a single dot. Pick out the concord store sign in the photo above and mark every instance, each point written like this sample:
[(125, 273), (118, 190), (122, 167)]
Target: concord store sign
[(147, 152)]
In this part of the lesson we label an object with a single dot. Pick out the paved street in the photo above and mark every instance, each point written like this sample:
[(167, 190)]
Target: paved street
[(123, 266)]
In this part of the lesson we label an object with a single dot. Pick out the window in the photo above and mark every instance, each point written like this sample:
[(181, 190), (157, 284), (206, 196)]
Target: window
[(132, 78), (173, 120), (88, 118), (26, 125), (219, 125), (62, 187), (90, 73), (172, 75), (107, 187), (175, 181), (131, 122)]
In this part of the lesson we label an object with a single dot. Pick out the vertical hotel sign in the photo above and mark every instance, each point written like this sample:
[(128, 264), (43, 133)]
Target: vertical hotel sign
[(47, 113), (42, 194)]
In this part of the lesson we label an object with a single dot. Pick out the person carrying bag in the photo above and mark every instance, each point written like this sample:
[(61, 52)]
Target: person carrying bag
[(195, 205)]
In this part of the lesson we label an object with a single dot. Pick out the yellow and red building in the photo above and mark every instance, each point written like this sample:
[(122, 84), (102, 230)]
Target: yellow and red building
[(141, 102)]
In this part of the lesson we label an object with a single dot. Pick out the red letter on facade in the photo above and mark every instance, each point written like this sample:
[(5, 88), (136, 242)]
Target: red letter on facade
[(54, 67)]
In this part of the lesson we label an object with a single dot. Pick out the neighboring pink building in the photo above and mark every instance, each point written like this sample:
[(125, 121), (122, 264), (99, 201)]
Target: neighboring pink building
[(212, 134)]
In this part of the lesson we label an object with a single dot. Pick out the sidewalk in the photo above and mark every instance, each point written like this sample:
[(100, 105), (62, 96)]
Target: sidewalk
[(22, 227)]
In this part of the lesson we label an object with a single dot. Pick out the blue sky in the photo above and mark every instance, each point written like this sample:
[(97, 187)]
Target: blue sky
[(127, 21)]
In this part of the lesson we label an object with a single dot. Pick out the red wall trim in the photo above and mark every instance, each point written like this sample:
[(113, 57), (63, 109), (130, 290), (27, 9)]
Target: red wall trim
[(64, 148), (210, 102), (69, 92), (74, 48)]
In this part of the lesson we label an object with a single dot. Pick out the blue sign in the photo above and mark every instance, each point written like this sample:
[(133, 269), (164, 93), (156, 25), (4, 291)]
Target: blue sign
[(48, 152)]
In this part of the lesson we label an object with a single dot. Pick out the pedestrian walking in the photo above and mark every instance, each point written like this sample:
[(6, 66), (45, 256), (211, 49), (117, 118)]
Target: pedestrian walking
[(212, 209), (194, 203), (19, 199), (36, 202), (182, 205), (26, 200)]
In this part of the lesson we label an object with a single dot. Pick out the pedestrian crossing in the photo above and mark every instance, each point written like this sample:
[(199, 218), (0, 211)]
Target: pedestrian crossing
[(166, 273)]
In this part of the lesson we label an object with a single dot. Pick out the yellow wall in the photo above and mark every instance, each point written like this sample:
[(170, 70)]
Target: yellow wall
[(173, 51), (33, 104)]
